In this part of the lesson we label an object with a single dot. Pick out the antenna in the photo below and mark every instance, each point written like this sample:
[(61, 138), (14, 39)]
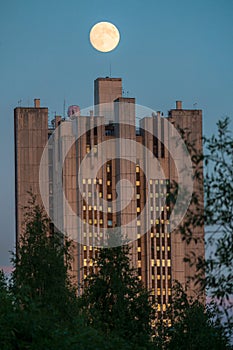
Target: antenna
[(19, 103), (64, 109), (110, 69), (195, 105)]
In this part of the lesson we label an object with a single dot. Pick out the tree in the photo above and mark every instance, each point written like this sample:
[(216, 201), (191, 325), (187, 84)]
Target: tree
[(41, 265), (114, 299), (190, 325), (214, 273)]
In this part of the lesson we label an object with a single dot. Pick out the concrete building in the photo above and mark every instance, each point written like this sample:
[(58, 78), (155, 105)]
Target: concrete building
[(158, 254)]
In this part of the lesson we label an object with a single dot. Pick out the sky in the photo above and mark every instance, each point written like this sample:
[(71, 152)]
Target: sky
[(169, 50)]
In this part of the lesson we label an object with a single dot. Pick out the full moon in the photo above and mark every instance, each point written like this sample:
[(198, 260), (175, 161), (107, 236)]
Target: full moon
[(104, 36)]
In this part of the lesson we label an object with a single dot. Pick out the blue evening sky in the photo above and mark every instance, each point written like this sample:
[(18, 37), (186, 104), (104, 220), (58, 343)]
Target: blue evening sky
[(169, 50)]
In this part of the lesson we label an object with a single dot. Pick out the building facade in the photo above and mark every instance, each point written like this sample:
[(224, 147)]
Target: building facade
[(100, 200)]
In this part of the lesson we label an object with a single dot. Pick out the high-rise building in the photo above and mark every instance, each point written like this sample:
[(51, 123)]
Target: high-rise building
[(130, 144)]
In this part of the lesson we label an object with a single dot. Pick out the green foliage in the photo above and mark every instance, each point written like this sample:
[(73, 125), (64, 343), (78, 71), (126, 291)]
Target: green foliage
[(193, 325), (41, 264), (114, 300)]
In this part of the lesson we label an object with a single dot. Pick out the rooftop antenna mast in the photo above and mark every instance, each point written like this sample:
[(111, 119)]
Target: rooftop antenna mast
[(64, 109)]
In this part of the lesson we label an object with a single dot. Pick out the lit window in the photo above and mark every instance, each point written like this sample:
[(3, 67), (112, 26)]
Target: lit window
[(109, 196), (139, 263), (158, 277), (164, 292), (138, 235), (89, 207), (84, 181), (138, 223), (138, 196), (89, 181), (156, 195), (164, 307), (100, 181), (159, 307), (152, 262), (90, 248), (169, 248), (95, 207), (108, 168), (100, 194), (158, 291), (152, 234), (100, 208), (88, 149), (85, 262), (161, 181), (169, 291), (137, 183), (90, 221), (151, 221), (108, 183), (167, 222), (101, 221), (151, 195), (101, 234), (137, 169), (157, 234), (163, 248), (153, 277), (95, 221), (84, 207), (89, 194), (158, 248), (90, 234), (157, 221), (168, 262), (156, 181), (139, 277), (85, 247), (109, 209), (158, 262), (169, 277), (139, 249), (94, 181), (91, 262), (163, 262), (151, 182), (138, 209)]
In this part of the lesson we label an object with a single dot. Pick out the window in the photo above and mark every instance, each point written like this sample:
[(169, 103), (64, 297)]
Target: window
[(109, 222)]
